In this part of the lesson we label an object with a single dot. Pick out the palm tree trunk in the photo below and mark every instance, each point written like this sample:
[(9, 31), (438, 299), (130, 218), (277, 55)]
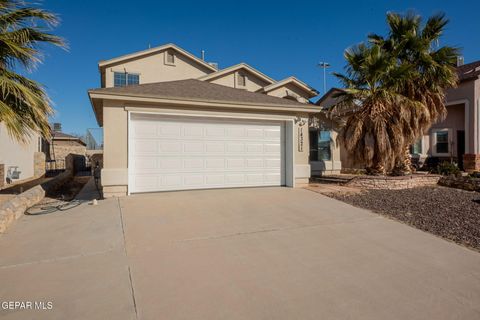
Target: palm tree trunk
[(407, 161), (403, 164)]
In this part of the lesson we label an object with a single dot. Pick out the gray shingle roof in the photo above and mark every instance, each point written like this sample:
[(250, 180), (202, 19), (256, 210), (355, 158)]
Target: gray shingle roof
[(469, 71), (193, 89)]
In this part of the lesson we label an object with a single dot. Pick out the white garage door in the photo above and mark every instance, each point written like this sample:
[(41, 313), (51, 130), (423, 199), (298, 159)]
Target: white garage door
[(181, 153)]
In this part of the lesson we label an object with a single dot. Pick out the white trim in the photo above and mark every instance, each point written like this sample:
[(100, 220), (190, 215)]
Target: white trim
[(466, 103), (208, 114), (290, 153), (129, 154), (434, 142), (289, 140)]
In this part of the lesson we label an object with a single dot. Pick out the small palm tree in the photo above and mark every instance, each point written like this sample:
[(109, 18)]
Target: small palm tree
[(395, 90), (24, 105)]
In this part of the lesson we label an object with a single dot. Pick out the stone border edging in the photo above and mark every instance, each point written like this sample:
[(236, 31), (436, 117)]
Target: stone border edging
[(14, 208), (394, 183), (465, 183)]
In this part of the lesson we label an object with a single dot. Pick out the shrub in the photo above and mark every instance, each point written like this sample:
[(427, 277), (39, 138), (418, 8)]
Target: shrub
[(447, 168)]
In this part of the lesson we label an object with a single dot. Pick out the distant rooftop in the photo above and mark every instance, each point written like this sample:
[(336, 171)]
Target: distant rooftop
[(469, 71)]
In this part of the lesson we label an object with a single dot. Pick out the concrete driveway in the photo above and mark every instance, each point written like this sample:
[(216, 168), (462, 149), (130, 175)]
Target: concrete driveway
[(260, 253)]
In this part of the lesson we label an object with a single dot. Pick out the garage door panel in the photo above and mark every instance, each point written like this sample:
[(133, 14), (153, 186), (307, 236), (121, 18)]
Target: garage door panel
[(235, 147), (169, 147), (146, 146), (195, 147), (168, 130), (190, 180), (184, 153), (218, 147)]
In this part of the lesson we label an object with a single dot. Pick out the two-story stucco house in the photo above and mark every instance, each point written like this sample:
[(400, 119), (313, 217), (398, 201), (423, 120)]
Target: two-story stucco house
[(172, 121)]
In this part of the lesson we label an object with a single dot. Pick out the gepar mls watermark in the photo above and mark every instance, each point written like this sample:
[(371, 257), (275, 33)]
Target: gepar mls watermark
[(26, 305)]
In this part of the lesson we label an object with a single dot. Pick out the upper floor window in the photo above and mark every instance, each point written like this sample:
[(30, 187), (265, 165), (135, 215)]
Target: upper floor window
[(122, 79), (241, 80), (169, 58)]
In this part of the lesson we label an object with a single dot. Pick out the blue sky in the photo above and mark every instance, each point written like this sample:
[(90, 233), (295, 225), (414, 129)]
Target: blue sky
[(279, 38)]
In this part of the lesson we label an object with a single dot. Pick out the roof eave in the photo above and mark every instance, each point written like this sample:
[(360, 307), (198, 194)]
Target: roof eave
[(172, 101)]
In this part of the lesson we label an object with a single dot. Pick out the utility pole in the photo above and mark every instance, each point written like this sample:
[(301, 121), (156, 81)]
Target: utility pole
[(324, 65)]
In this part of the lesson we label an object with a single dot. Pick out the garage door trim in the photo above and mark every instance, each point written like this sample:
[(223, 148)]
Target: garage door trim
[(288, 138)]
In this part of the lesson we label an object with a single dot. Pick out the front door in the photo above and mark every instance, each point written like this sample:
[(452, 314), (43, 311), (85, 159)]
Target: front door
[(460, 147)]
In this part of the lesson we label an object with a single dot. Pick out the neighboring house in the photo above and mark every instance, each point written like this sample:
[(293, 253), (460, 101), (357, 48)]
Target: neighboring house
[(456, 138), (60, 145), (459, 133), (172, 121), (19, 161)]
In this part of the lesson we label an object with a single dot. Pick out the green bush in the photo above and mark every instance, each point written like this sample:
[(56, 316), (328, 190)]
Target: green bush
[(447, 168)]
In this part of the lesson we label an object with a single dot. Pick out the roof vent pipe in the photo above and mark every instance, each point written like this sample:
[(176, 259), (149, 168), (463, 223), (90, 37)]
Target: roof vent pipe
[(203, 55)]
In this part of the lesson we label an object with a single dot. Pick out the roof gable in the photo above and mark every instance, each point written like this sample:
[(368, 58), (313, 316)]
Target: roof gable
[(141, 54), (240, 66), (311, 92)]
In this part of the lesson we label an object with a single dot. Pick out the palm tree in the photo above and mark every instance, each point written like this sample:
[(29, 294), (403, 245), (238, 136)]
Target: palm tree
[(24, 105), (416, 45), (373, 131), (395, 90)]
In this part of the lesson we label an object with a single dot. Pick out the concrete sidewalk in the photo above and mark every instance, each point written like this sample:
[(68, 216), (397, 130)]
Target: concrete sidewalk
[(75, 259), (258, 253)]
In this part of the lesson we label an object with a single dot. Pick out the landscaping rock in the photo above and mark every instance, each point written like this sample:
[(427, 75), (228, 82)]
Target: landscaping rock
[(453, 214), (465, 183)]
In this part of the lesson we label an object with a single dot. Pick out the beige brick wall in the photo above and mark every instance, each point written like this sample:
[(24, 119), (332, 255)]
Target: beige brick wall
[(61, 149)]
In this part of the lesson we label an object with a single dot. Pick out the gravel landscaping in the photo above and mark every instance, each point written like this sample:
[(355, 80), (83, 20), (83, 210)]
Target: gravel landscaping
[(450, 213)]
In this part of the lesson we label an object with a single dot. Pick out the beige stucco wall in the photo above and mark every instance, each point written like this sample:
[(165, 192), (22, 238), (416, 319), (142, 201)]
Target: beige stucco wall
[(14, 153), (115, 149), (229, 79), (468, 93), (289, 89), (115, 170), (455, 121), (152, 68)]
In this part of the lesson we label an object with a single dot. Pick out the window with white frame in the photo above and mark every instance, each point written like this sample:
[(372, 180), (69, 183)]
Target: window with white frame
[(417, 147), (320, 145), (441, 143), (170, 58), (122, 79), (241, 80)]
